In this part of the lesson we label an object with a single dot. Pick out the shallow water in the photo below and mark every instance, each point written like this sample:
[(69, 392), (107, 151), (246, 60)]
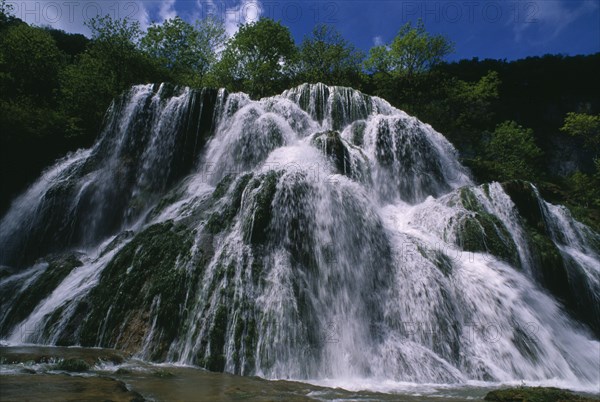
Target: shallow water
[(30, 373)]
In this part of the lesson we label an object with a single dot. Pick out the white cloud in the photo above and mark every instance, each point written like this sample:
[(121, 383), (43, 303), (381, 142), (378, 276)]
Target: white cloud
[(167, 10), (245, 12), (548, 17), (378, 40)]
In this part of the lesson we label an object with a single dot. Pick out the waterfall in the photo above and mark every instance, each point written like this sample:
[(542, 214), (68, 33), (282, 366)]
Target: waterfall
[(316, 234)]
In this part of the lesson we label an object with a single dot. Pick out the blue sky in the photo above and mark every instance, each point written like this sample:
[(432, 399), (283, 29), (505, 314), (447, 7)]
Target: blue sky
[(499, 29)]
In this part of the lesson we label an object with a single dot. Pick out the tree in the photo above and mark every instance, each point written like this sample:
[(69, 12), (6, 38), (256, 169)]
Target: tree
[(258, 59), (413, 51), (325, 56), (6, 17), (586, 188), (379, 60), (110, 65), (513, 150), (188, 51), (584, 126), (29, 61), (115, 44)]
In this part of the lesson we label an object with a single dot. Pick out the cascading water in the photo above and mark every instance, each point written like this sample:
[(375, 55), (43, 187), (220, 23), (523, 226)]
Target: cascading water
[(316, 234)]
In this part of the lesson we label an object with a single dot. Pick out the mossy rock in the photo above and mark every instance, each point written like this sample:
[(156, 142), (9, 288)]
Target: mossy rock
[(483, 232), (332, 145), (555, 272), (163, 374), (59, 266), (216, 360), (443, 263), (231, 193), (469, 201), (121, 237), (152, 265), (527, 202), (258, 218), (534, 394), (73, 365), (358, 132)]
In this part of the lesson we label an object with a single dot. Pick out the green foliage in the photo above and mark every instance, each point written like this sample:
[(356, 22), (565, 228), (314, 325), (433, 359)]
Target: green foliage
[(30, 62), (413, 51), (110, 65), (584, 189), (6, 10), (585, 126), (115, 47), (513, 151), (325, 56), (258, 59), (188, 51), (379, 60)]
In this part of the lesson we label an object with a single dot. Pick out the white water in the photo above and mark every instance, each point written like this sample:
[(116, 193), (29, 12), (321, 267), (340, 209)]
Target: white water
[(362, 276)]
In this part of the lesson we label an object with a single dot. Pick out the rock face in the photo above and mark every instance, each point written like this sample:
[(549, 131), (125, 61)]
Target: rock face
[(320, 233), (553, 263)]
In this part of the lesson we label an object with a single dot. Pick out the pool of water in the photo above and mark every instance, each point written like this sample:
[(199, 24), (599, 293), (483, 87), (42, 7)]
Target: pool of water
[(35, 373)]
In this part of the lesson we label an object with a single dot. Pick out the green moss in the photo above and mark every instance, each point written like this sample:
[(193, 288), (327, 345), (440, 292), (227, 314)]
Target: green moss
[(121, 237), (553, 273), (257, 270), (58, 268), (469, 201), (358, 132), (483, 232), (256, 223), (331, 144), (225, 214), (533, 394), (74, 365), (163, 374), (250, 346), (216, 359), (443, 262), (152, 265), (527, 203), (223, 186)]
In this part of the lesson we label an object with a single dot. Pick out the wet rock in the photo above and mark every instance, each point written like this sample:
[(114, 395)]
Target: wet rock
[(59, 266), (75, 365), (332, 145), (534, 394)]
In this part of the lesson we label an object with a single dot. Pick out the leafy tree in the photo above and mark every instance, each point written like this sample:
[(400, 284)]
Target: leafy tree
[(258, 59), (585, 189), (6, 17), (379, 60), (585, 126), (413, 51), (188, 51), (325, 56), (115, 44), (110, 65), (469, 107), (29, 61), (513, 151)]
